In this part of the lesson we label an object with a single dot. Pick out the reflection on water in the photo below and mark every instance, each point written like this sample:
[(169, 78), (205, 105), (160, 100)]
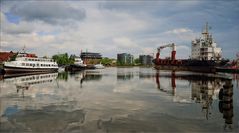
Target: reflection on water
[(203, 89), (120, 100), (23, 83), (226, 104), (124, 74)]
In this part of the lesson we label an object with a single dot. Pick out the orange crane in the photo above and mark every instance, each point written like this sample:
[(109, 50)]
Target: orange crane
[(173, 53)]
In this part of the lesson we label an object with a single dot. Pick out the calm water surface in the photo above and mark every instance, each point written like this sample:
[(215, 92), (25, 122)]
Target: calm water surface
[(119, 100)]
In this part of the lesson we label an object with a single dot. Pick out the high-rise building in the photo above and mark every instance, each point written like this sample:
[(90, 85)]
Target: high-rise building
[(145, 59), (125, 59)]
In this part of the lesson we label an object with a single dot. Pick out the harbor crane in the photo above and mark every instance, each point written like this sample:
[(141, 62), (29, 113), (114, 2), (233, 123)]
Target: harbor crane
[(173, 53)]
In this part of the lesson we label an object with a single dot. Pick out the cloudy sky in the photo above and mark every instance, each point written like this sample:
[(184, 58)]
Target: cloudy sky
[(109, 27)]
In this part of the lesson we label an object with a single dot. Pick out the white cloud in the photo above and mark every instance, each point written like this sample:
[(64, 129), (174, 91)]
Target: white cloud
[(124, 43), (178, 31), (52, 12), (108, 28), (183, 34)]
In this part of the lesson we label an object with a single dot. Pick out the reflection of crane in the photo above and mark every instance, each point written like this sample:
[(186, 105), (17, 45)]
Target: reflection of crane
[(173, 53), (173, 83)]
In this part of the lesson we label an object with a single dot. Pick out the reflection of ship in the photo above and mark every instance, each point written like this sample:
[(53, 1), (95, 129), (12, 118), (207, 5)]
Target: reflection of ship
[(205, 56), (32, 79), (92, 75), (203, 89), (226, 104), (86, 75), (24, 82)]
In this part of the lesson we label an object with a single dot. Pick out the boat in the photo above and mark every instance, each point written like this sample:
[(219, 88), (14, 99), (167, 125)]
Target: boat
[(29, 63), (205, 56), (78, 64), (99, 66), (61, 69), (231, 67)]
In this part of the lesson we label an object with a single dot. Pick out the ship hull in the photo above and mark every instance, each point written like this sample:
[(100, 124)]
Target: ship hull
[(206, 66), (227, 70), (75, 68), (79, 67), (15, 70), (203, 69)]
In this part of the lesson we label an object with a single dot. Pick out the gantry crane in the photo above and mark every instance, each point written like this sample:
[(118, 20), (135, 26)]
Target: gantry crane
[(173, 53)]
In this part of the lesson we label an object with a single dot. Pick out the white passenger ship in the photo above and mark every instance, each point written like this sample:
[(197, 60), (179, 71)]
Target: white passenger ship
[(26, 63)]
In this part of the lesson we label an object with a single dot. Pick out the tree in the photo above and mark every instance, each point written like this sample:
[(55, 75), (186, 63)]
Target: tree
[(136, 61), (63, 59), (106, 61)]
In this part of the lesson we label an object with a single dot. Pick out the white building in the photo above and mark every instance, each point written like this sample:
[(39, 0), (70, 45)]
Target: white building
[(205, 48)]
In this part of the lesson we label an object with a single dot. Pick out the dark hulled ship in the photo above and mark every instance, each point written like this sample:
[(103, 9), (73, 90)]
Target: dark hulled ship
[(205, 56)]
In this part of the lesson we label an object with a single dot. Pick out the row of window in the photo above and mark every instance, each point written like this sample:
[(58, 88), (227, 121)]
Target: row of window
[(31, 59), (195, 49), (38, 77), (43, 65), (40, 82)]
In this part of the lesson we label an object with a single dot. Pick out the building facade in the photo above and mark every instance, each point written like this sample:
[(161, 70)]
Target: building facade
[(145, 59), (125, 59), (91, 58), (4, 56)]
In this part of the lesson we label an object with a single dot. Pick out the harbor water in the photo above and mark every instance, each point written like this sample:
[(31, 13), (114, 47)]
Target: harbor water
[(120, 100)]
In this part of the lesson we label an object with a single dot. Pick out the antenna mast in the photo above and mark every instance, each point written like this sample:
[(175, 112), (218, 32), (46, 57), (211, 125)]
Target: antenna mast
[(205, 31), (24, 48)]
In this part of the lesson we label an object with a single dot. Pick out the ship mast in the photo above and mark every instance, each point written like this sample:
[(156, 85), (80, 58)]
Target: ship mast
[(205, 32)]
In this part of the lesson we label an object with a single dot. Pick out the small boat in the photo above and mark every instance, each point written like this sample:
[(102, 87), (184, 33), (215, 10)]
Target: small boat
[(231, 67), (61, 69), (79, 62), (99, 66), (78, 65), (29, 63)]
